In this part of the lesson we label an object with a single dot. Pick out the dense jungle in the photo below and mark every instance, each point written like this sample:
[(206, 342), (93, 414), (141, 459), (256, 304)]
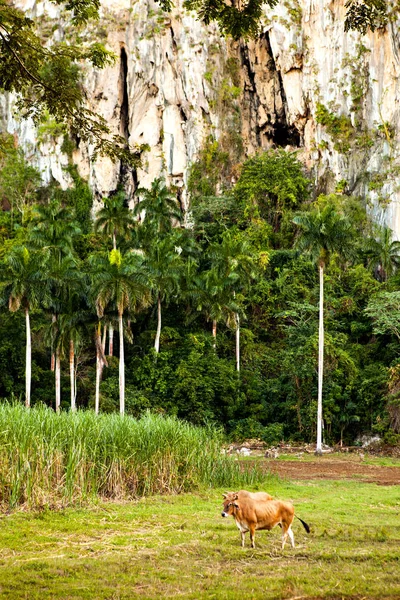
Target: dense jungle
[(215, 322)]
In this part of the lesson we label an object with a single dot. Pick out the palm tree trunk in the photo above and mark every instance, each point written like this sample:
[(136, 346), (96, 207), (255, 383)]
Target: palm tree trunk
[(28, 363), (53, 357), (214, 333), (237, 342), (72, 373), (110, 340), (98, 379), (58, 380), (320, 358), (100, 362), (103, 341), (121, 366), (158, 334)]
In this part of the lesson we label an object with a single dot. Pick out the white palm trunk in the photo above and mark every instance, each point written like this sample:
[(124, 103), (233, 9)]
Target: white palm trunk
[(121, 367), (28, 362), (58, 380), (237, 341), (103, 341), (110, 340), (99, 369), (98, 379), (53, 356), (72, 374), (214, 333), (158, 334), (320, 359)]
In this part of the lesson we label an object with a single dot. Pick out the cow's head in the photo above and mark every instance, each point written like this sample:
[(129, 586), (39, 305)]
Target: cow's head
[(230, 503)]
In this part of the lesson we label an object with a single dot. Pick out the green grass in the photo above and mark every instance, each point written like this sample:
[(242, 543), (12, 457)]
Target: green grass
[(368, 459), (167, 546), (56, 460)]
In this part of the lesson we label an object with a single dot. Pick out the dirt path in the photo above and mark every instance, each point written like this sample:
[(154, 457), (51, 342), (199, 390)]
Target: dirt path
[(328, 468)]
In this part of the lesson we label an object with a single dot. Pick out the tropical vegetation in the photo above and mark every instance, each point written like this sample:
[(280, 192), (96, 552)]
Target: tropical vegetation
[(274, 305)]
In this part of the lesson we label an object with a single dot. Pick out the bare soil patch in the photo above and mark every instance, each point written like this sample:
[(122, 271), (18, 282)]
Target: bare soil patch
[(334, 468)]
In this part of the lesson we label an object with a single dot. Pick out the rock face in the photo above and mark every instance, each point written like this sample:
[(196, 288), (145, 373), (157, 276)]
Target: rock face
[(303, 84)]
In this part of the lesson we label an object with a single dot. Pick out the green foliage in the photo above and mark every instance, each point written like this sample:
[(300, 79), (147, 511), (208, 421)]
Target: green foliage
[(47, 77), (384, 310), (237, 258), (82, 455), (19, 181), (271, 184), (208, 172), (339, 127), (365, 15)]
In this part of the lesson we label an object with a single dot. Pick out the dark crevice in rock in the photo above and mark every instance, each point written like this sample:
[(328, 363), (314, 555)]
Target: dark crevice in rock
[(123, 95), (273, 128), (125, 172), (252, 99), (183, 114), (283, 134)]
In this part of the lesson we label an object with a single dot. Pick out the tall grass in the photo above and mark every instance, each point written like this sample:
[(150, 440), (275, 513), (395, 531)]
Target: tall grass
[(48, 459)]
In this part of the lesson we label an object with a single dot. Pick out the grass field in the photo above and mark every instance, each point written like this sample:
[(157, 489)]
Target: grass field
[(180, 546)]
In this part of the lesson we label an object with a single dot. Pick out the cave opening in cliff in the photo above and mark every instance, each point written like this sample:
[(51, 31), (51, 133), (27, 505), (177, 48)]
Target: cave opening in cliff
[(286, 135)]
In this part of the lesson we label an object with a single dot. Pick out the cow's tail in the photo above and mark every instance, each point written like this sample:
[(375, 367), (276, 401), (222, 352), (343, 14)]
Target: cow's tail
[(306, 527)]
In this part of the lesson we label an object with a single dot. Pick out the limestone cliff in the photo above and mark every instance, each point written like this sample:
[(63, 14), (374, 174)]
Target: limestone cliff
[(304, 84)]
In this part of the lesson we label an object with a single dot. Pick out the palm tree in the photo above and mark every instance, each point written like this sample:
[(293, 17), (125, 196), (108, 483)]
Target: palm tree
[(324, 231), (160, 207), (54, 230), (119, 279), (383, 253), (101, 362), (114, 219), (164, 266), (231, 269), (161, 243), (23, 283), (72, 327)]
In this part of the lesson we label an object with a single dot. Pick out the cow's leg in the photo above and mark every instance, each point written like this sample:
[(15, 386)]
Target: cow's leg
[(242, 534), (284, 534), (291, 536), (252, 528)]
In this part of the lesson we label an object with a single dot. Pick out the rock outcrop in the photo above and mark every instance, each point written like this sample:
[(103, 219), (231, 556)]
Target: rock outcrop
[(303, 84)]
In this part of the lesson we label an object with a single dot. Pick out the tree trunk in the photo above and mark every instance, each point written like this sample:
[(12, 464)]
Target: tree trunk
[(320, 358), (121, 366), (110, 340), (103, 341), (28, 362), (53, 356), (98, 379), (100, 362), (237, 342), (158, 334), (72, 373), (214, 333), (58, 380)]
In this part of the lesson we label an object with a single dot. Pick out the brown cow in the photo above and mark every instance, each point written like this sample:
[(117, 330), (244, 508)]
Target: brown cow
[(259, 511)]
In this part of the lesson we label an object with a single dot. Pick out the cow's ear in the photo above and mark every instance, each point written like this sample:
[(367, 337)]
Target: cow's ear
[(236, 496)]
